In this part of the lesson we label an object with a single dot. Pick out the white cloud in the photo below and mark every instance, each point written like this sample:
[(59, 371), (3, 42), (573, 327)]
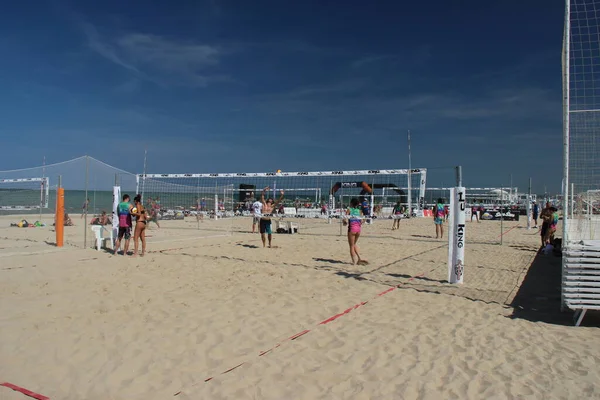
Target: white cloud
[(158, 59)]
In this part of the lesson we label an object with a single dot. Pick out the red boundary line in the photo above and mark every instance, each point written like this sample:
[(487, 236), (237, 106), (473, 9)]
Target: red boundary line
[(324, 322), (25, 391), (502, 234)]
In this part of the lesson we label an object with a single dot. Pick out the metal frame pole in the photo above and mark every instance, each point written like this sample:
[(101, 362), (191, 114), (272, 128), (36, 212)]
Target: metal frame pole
[(87, 172), (409, 178)]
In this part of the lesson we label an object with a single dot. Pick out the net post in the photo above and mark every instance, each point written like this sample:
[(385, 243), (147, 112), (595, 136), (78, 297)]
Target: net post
[(409, 177), (60, 214), (528, 206), (572, 199), (87, 171), (456, 235), (371, 208), (341, 215), (198, 204), (501, 215), (459, 177), (216, 206)]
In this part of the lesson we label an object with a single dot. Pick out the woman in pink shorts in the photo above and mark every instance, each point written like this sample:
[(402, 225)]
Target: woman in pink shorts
[(354, 223)]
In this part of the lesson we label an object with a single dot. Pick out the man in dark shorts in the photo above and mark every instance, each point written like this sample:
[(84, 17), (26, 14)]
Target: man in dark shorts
[(269, 206), (124, 214), (536, 211)]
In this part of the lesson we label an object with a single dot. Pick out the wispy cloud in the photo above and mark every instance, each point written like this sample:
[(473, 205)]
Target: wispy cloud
[(158, 59), (104, 49)]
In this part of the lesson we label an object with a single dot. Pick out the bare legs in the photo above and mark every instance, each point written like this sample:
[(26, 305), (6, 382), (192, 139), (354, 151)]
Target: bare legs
[(118, 246), (439, 231), (140, 233), (264, 237), (354, 250)]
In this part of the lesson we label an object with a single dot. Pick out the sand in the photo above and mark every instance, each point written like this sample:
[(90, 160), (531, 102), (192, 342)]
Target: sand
[(76, 323)]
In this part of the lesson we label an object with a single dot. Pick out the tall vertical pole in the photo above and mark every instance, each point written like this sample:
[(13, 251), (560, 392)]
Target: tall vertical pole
[(409, 178), (566, 64), (501, 215), (59, 218), (572, 205), (144, 176), (43, 188), (459, 178), (342, 214), (528, 206), (87, 172), (198, 203)]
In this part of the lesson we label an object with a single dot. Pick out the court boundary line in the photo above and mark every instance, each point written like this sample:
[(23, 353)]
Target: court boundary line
[(306, 331)]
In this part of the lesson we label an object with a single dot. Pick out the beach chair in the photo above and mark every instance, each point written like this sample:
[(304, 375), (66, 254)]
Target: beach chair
[(581, 278), (286, 225), (102, 234)]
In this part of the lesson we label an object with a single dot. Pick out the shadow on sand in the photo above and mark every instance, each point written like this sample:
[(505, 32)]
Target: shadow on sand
[(538, 298)]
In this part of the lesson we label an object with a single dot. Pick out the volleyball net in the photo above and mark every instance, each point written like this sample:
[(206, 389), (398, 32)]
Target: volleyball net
[(316, 197), (24, 194)]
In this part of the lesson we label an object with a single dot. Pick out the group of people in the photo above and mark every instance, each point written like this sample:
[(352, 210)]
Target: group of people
[(263, 209), (126, 211), (550, 219)]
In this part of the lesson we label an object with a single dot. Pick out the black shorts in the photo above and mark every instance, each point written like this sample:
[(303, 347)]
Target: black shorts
[(535, 216), (265, 226), (125, 231), (544, 229)]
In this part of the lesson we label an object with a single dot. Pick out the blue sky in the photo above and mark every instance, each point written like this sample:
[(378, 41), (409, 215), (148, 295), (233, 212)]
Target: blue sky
[(242, 86)]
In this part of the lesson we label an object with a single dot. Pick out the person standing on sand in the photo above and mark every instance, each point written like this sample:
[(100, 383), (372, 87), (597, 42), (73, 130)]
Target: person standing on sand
[(354, 222), (256, 214), (397, 214), (84, 208), (140, 226), (474, 213), (124, 215), (546, 216), (268, 206), (199, 210), (536, 211), (439, 215)]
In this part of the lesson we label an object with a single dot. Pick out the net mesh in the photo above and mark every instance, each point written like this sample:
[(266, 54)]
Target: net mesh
[(23, 194), (316, 197), (581, 72)]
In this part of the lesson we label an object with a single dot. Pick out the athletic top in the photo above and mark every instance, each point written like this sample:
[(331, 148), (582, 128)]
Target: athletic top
[(257, 208), (353, 213), (397, 209), (440, 213), (124, 214), (536, 209), (554, 220)]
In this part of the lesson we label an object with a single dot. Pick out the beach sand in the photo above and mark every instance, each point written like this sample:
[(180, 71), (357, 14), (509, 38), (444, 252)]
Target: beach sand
[(81, 324)]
